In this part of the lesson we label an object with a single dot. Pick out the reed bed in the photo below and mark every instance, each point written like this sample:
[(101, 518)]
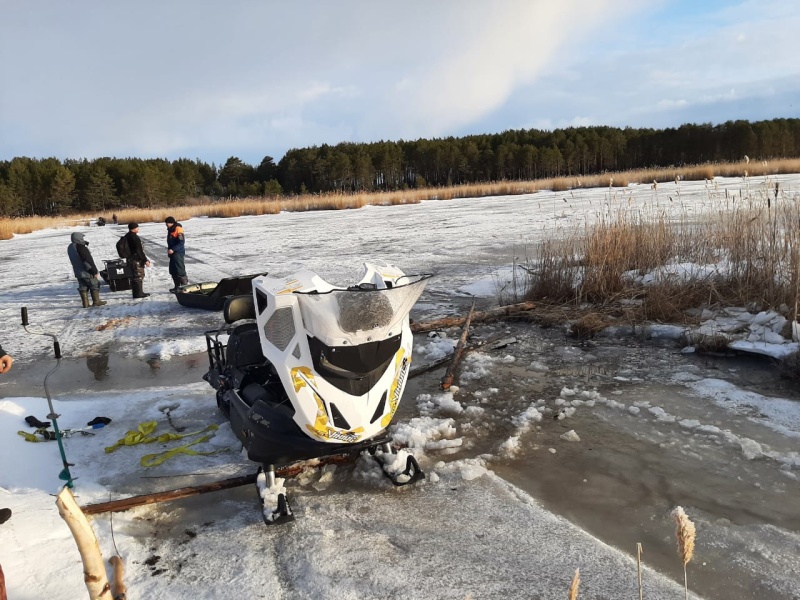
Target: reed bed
[(743, 254), (337, 201)]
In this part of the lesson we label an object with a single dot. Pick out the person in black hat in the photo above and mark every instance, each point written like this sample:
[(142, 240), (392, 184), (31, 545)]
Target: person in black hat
[(137, 260), (176, 249)]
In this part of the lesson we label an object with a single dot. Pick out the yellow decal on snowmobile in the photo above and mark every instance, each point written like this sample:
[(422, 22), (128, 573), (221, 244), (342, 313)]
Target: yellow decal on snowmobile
[(302, 376), (401, 367), (291, 286)]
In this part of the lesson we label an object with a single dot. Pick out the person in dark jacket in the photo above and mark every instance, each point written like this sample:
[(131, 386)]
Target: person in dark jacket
[(137, 261), (176, 249), (85, 270), (5, 361)]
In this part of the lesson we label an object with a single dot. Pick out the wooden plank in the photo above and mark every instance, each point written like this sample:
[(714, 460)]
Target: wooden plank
[(194, 490), (477, 317), (450, 374)]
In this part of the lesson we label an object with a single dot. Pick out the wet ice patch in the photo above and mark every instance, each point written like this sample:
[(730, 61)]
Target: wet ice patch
[(443, 403), (467, 469), (526, 418), (169, 348), (510, 448), (570, 436), (661, 415), (777, 413), (751, 449), (476, 366), (436, 347), (422, 431), (325, 478)]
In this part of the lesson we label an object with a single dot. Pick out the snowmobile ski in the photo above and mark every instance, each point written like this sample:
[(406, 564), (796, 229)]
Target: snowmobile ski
[(401, 467), (272, 494)]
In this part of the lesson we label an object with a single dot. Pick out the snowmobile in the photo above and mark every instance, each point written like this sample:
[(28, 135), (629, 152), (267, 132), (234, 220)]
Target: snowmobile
[(315, 370)]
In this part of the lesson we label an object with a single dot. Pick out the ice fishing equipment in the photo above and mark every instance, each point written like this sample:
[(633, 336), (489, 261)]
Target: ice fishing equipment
[(211, 295), (315, 370), (64, 475), (167, 410)]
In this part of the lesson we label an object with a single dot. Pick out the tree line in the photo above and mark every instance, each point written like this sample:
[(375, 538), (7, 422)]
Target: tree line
[(30, 186)]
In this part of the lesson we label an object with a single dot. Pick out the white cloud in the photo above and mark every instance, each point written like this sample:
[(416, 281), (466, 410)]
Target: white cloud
[(251, 77)]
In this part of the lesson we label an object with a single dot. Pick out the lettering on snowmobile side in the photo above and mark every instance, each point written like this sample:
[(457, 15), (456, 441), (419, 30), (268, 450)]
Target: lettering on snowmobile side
[(397, 387)]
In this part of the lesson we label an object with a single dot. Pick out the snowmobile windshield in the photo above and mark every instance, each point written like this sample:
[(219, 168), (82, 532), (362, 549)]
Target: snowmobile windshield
[(360, 314)]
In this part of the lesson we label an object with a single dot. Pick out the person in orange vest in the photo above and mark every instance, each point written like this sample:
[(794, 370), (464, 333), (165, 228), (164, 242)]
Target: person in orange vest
[(176, 249)]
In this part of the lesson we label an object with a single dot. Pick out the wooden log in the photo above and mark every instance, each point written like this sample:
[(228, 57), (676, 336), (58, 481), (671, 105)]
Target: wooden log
[(94, 569), (480, 316), (194, 490), (449, 375), (118, 587), (417, 371)]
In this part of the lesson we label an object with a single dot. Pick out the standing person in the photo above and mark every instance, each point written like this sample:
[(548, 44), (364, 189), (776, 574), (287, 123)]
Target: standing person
[(137, 260), (5, 361), (176, 249), (114, 218), (85, 270)]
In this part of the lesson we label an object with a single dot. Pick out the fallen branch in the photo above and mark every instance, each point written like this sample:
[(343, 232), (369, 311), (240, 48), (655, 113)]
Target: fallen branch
[(194, 490), (94, 570), (449, 375), (486, 315), (417, 371)]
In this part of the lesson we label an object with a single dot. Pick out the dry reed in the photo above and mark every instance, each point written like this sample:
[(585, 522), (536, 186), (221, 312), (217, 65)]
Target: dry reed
[(685, 532), (748, 249), (639, 568), (573, 588)]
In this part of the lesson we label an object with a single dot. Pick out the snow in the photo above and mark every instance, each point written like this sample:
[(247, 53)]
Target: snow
[(462, 531)]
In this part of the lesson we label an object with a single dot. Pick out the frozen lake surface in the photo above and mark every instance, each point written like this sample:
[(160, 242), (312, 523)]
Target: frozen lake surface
[(510, 508)]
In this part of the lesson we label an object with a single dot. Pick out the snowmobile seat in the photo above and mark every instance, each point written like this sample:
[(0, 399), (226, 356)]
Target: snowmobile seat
[(244, 347), (254, 392), (238, 308), (245, 359)]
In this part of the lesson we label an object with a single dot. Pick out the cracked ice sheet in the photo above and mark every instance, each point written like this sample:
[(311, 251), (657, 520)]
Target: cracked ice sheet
[(490, 231), (782, 415)]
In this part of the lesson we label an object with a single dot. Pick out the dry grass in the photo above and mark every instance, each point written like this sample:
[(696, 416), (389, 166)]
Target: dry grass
[(589, 325), (750, 251), (336, 201)]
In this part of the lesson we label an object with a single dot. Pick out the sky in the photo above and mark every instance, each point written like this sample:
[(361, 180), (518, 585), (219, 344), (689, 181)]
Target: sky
[(659, 429), (249, 78)]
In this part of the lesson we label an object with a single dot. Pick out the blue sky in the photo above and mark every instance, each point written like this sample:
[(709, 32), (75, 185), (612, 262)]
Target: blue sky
[(199, 79)]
